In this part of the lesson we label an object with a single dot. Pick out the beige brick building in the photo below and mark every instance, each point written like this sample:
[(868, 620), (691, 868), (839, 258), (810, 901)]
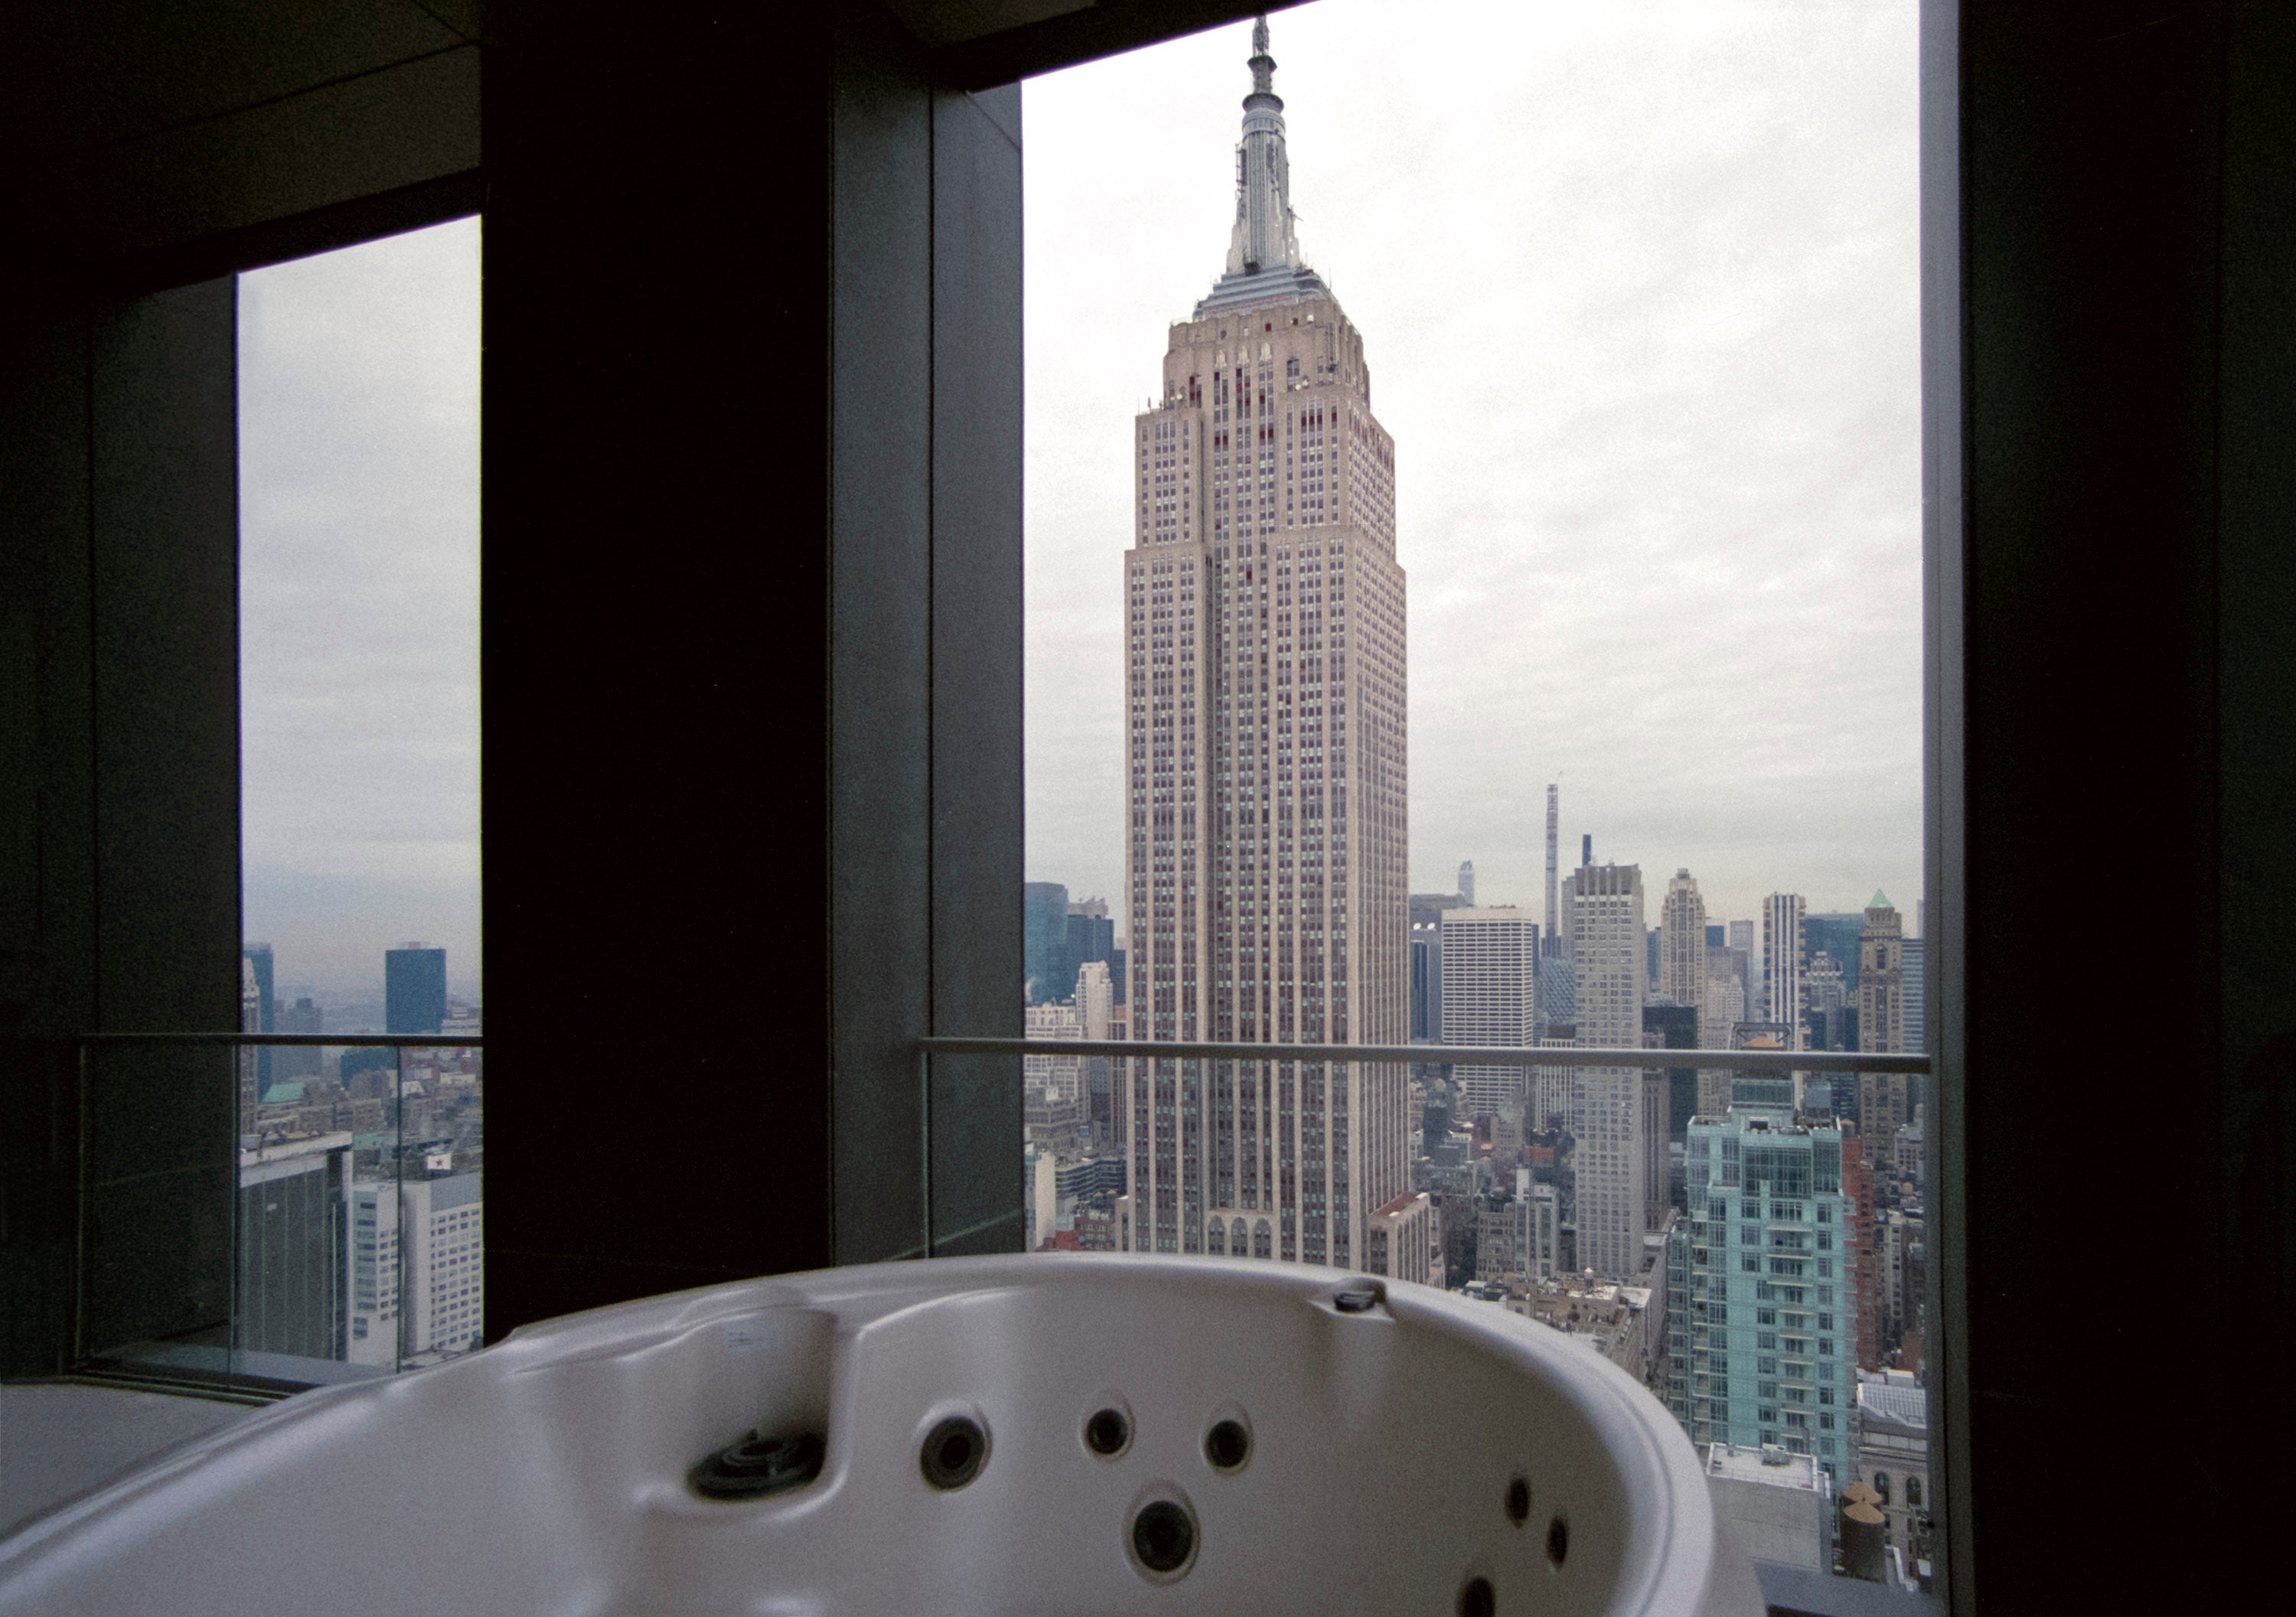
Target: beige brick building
[(1682, 944), (1266, 832), (1884, 1105)]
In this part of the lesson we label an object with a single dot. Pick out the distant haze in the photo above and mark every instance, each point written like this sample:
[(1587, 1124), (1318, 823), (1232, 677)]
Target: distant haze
[(358, 609), (1637, 286)]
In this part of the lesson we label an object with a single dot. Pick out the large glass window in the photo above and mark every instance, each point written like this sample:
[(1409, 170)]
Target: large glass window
[(360, 1221), (1474, 598)]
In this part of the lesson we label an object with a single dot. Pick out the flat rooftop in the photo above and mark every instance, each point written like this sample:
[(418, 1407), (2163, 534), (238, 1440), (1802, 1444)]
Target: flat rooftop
[(1772, 1467)]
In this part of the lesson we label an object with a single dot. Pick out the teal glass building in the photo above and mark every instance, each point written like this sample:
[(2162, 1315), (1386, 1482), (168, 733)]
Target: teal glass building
[(1761, 1285)]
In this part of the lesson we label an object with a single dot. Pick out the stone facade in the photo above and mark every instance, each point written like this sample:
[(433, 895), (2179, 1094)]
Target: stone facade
[(1266, 831)]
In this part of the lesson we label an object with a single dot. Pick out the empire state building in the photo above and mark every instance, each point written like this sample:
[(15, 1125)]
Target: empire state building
[(1266, 836)]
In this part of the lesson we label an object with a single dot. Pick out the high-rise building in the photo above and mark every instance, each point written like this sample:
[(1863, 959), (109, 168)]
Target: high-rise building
[(1558, 993), (259, 957), (1913, 985), (1552, 1102), (1045, 940), (1880, 979), (1860, 1222), (1265, 830), (1675, 1026), (251, 1021), (1682, 943), (300, 1061), (1490, 997), (1762, 1283), (1054, 1104), (1782, 956), (1095, 997), (1095, 1008), (1552, 940), (1723, 1007), (1822, 1000), (1837, 935), (1741, 938), (1537, 1228), (1426, 981), (1658, 1105), (1899, 1240), (1091, 935), (1608, 1164), (1427, 961), (374, 1274), (443, 1242), (290, 1240), (1885, 1101), (413, 990)]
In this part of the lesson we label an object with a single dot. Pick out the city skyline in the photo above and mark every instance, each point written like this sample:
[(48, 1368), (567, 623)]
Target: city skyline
[(1659, 483)]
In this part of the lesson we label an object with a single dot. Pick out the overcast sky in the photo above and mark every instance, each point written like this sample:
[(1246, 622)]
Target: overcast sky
[(1637, 288), (359, 389)]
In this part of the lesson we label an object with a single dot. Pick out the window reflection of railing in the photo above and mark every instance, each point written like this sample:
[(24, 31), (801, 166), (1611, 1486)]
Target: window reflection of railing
[(327, 1228)]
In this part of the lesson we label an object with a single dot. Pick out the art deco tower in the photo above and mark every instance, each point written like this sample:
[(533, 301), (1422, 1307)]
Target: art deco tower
[(1682, 943), (1265, 833)]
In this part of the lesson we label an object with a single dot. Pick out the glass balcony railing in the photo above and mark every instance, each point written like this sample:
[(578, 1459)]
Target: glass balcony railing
[(274, 1211), (320, 1217), (1100, 1112)]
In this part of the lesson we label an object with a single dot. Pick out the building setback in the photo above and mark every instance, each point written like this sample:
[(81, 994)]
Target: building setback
[(1265, 830)]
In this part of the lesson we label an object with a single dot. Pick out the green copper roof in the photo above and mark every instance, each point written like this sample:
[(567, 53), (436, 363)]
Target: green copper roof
[(1881, 900)]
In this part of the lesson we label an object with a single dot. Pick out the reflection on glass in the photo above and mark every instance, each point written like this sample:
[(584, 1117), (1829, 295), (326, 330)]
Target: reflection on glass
[(361, 1225)]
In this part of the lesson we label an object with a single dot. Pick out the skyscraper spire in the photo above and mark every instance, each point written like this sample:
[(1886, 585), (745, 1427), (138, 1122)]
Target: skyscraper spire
[(1264, 237)]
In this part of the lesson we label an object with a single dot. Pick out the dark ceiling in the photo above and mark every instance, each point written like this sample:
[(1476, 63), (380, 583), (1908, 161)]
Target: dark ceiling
[(154, 141)]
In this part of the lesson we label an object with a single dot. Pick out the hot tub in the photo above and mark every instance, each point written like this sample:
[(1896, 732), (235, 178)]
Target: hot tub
[(1053, 1433)]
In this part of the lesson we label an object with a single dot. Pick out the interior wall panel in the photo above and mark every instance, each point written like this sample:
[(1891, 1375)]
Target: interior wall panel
[(654, 652), (976, 605), (880, 673)]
